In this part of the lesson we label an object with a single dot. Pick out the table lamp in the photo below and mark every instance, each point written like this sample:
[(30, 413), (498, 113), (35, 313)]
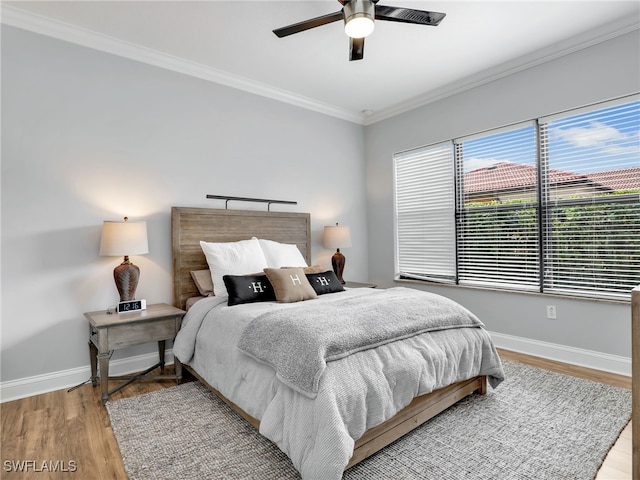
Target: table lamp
[(337, 237), (124, 239)]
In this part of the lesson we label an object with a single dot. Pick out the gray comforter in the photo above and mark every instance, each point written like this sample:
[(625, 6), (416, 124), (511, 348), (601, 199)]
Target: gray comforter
[(356, 392), (299, 345)]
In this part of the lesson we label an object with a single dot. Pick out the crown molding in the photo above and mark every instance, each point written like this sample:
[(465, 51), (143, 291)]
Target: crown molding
[(575, 44), (62, 31), (18, 18)]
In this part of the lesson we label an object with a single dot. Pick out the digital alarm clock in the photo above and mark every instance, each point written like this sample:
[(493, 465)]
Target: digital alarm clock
[(132, 306)]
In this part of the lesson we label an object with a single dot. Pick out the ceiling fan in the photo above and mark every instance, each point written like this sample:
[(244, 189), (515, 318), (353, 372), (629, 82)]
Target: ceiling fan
[(358, 16)]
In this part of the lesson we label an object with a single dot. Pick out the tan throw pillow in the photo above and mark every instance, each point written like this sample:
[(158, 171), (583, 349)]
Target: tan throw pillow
[(290, 284), (203, 281)]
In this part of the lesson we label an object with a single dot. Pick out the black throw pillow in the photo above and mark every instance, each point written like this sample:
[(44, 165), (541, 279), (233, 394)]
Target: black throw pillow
[(248, 289), (325, 282)]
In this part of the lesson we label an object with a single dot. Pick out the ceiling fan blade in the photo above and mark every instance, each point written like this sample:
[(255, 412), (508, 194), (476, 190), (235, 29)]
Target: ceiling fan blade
[(356, 49), (308, 24), (408, 15)]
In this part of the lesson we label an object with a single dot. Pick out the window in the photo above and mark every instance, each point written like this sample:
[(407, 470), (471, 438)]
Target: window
[(552, 205), (592, 234), (424, 199), (497, 214)]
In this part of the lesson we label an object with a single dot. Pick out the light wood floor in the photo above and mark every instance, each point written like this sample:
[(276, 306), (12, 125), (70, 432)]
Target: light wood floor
[(72, 431)]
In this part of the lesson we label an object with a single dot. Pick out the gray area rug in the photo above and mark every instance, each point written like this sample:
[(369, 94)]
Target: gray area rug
[(537, 425)]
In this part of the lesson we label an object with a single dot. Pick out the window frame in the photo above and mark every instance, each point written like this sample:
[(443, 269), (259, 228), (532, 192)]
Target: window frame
[(464, 214), (407, 155), (543, 203)]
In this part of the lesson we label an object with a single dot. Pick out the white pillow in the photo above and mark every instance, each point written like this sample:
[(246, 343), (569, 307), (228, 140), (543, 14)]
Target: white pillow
[(232, 258), (281, 254)]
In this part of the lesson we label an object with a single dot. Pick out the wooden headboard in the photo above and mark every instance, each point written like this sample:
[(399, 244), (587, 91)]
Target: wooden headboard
[(191, 225)]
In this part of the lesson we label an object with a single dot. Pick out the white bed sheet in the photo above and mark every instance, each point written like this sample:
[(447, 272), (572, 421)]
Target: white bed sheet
[(356, 393)]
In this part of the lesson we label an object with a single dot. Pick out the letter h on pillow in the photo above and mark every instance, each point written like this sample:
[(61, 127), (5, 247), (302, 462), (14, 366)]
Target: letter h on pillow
[(290, 284), (248, 289)]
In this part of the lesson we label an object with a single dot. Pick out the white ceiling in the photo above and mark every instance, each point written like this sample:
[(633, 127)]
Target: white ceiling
[(404, 65)]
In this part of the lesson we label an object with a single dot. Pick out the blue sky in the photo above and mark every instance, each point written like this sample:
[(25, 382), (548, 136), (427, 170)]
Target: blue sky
[(605, 139)]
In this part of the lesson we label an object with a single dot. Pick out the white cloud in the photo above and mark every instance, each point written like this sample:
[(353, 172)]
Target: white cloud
[(600, 136)]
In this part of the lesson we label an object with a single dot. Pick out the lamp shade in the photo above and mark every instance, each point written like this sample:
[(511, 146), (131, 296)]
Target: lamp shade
[(124, 238), (337, 237)]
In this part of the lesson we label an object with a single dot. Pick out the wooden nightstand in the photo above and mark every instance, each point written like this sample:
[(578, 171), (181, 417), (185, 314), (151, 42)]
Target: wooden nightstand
[(158, 323), (359, 285)]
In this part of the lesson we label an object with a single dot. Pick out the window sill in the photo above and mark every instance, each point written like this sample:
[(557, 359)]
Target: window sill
[(518, 292)]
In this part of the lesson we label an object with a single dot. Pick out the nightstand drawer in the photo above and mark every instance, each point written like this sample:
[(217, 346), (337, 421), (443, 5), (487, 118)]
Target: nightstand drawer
[(143, 332)]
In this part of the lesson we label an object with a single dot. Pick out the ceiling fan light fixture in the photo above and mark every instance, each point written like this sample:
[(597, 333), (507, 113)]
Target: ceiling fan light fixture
[(359, 27), (358, 18)]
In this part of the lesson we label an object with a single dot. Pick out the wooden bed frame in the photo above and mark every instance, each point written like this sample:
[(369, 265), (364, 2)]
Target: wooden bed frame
[(190, 225)]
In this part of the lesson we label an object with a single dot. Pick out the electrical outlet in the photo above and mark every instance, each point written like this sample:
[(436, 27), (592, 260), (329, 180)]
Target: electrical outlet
[(551, 312)]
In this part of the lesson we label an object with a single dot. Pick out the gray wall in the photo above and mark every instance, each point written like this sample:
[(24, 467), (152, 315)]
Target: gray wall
[(89, 136), (601, 72)]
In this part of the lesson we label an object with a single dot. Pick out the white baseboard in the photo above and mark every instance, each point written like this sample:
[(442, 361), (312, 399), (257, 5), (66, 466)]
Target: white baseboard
[(36, 385), (26, 387), (562, 353)]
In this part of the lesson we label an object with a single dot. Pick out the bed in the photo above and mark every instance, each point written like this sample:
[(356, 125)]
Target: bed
[(349, 416)]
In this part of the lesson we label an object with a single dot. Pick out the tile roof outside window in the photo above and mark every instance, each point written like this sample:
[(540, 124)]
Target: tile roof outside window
[(509, 176)]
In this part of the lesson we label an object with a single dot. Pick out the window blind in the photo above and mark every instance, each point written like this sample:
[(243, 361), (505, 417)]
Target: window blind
[(425, 213), (497, 209), (592, 213), (551, 205)]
